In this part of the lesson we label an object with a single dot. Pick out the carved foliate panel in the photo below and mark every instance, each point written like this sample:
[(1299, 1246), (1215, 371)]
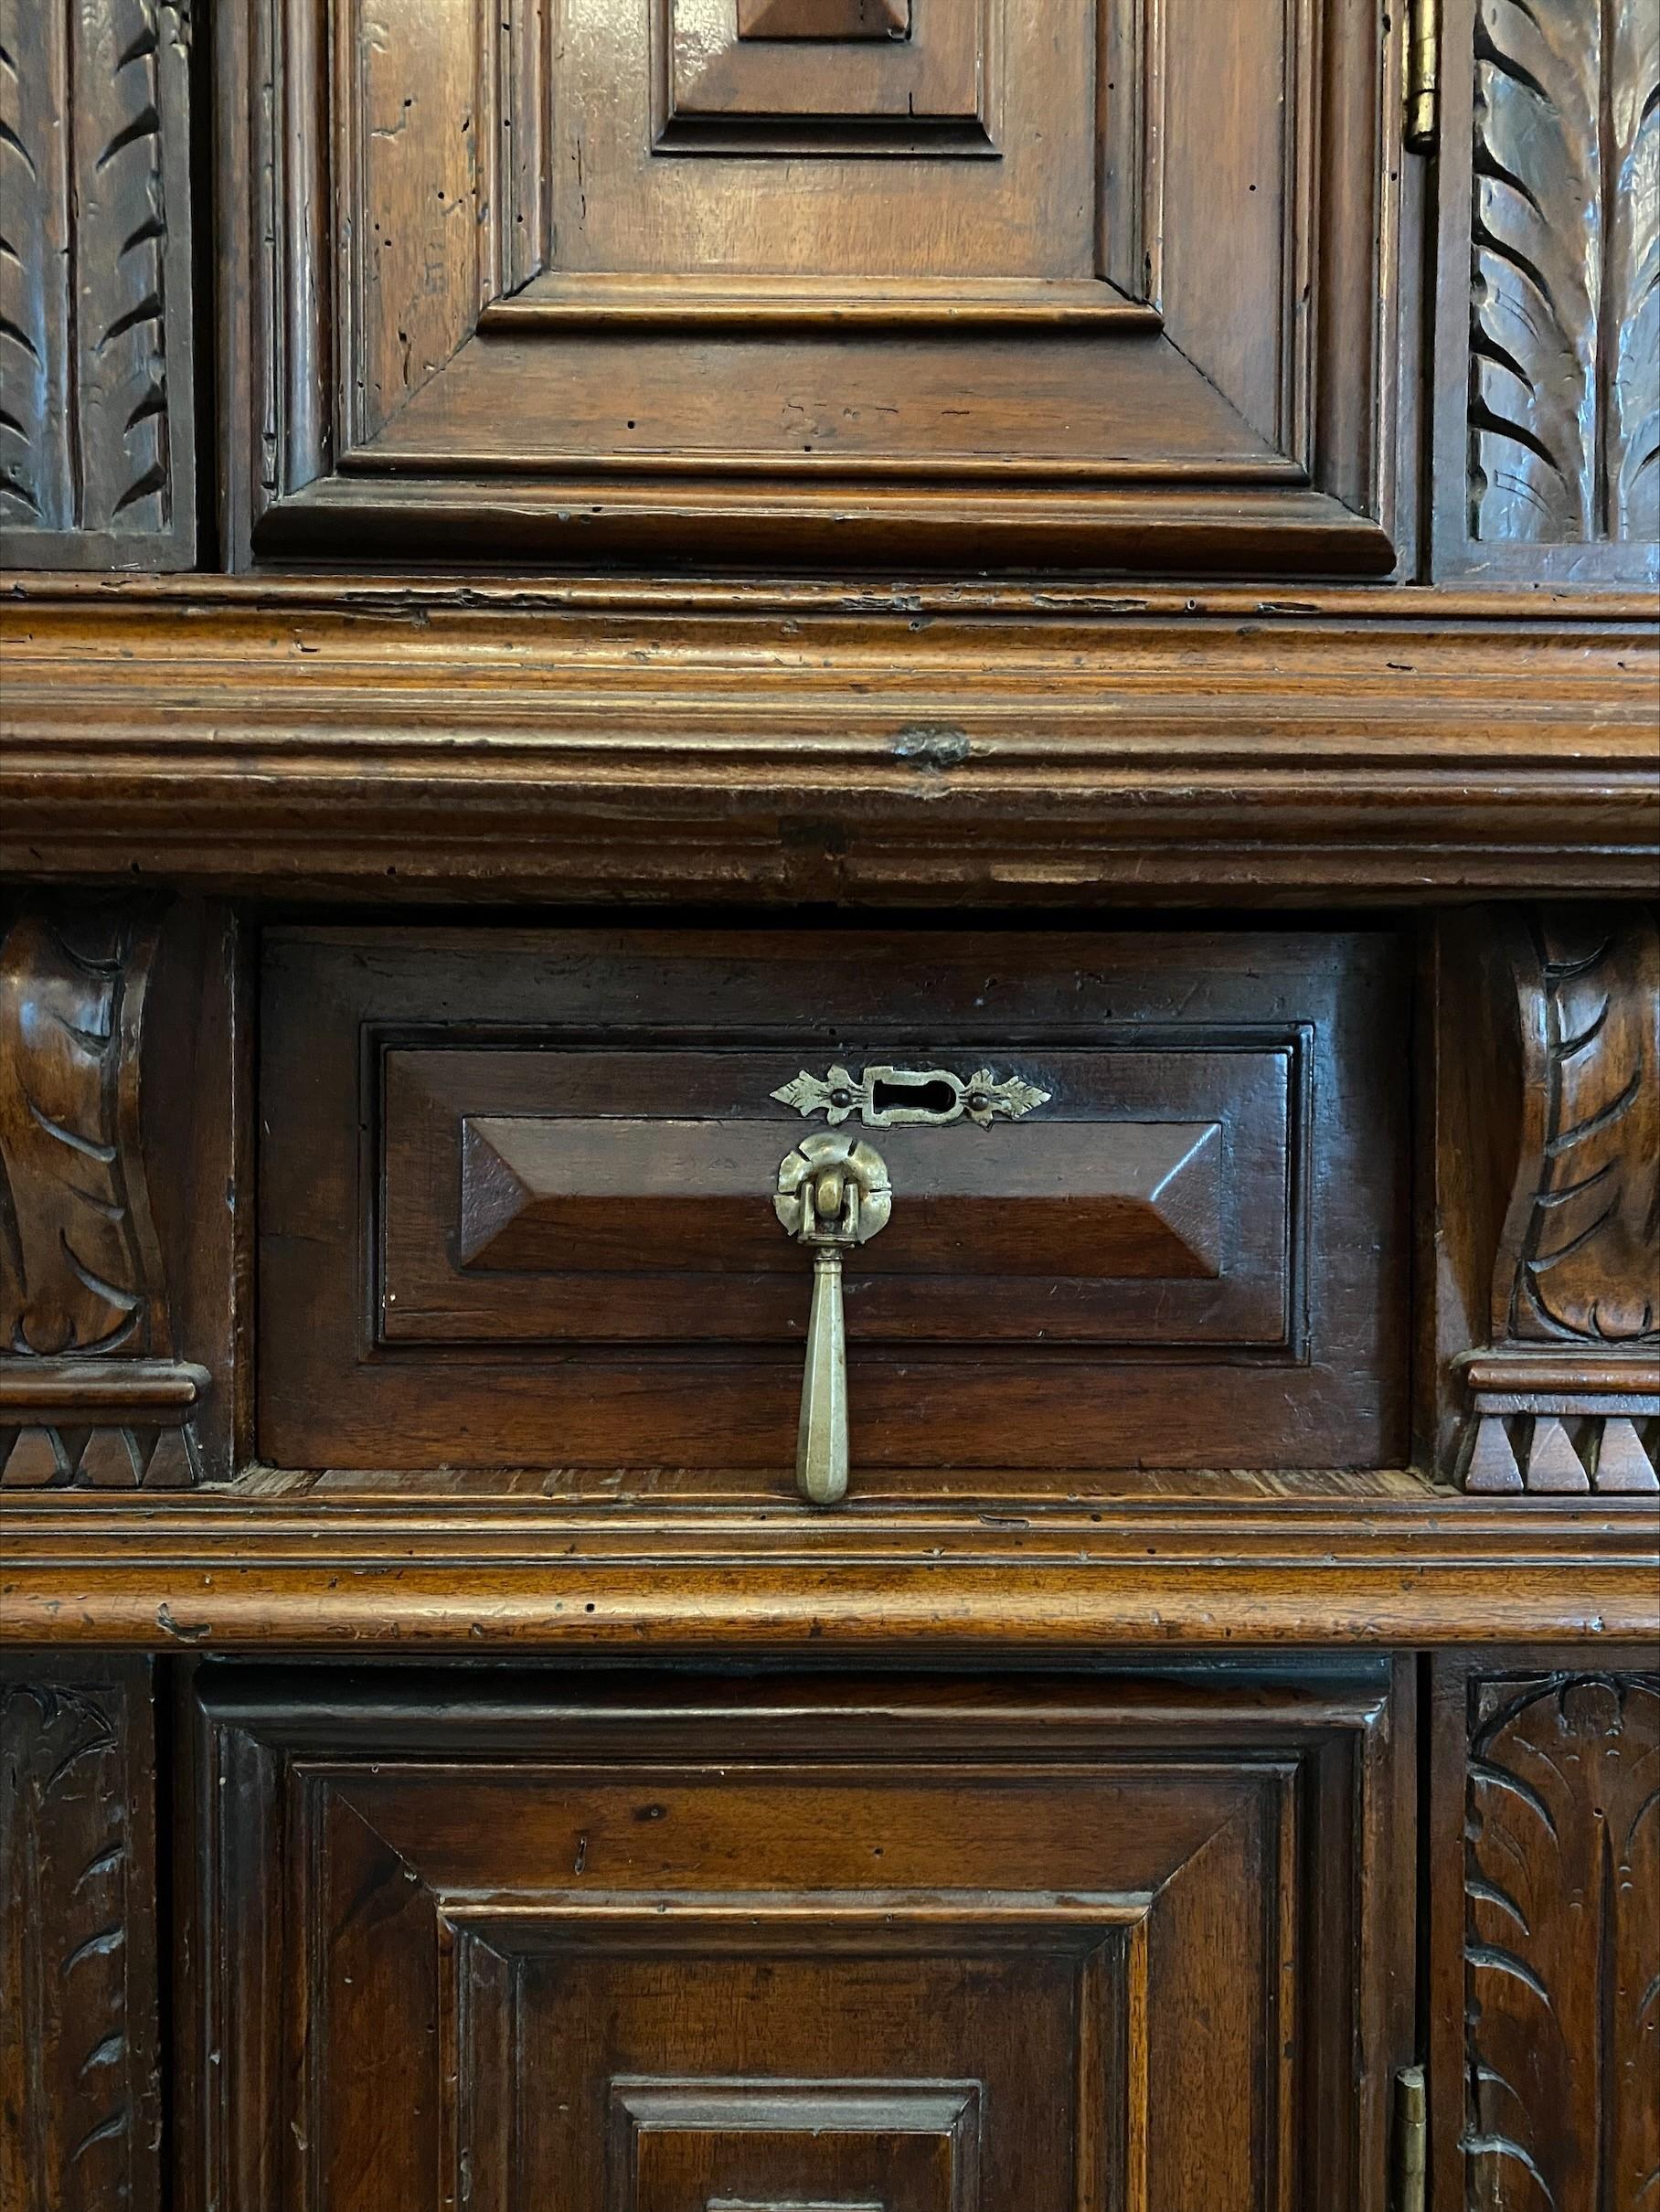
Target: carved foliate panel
[(81, 1271), (79, 2105), (1588, 1262), (1560, 1082), (1562, 1944), (1558, 214), (97, 467), (92, 1389)]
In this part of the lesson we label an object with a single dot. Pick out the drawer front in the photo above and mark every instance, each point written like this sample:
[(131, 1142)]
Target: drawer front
[(518, 1200), (656, 1948)]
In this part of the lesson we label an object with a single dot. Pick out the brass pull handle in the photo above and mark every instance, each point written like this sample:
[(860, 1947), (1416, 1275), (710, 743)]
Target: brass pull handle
[(833, 1194)]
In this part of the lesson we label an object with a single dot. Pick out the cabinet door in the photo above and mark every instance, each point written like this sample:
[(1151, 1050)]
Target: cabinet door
[(946, 281), (623, 1947)]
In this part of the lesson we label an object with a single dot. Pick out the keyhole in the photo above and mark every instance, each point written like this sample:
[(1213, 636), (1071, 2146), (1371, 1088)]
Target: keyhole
[(934, 1097)]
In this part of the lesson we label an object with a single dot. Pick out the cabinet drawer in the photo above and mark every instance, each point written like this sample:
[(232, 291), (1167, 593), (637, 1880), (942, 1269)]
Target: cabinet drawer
[(518, 1200), (648, 1947)]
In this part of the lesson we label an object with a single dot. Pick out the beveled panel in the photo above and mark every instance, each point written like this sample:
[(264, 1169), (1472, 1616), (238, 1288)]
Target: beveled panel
[(630, 1947), (1009, 285), (889, 84)]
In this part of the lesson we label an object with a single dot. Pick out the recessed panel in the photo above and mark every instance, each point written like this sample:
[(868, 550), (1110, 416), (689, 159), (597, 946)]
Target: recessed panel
[(521, 1942)]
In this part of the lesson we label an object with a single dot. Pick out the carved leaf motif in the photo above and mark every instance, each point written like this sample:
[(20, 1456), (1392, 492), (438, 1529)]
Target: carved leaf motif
[(35, 476), (77, 2131), (79, 1263), (122, 222), (1565, 325), (86, 262), (1592, 1251), (1563, 1946), (1633, 304)]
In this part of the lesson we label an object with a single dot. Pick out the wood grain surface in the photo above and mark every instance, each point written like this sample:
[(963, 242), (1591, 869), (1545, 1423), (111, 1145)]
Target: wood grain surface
[(768, 743)]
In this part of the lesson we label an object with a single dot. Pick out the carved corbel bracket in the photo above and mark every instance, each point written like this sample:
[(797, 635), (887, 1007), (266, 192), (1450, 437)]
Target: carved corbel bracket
[(1549, 1175), (94, 1390)]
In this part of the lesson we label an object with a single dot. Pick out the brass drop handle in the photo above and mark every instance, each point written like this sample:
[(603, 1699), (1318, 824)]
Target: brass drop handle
[(833, 1194)]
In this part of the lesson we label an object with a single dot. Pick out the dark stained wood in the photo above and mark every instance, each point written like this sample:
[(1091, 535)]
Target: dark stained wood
[(789, 1942), (772, 743), (994, 290), (1289, 1354), (97, 427), (118, 1309), (1545, 1035), (822, 315), (81, 2093), (1545, 1934), (1547, 442), (523, 1199)]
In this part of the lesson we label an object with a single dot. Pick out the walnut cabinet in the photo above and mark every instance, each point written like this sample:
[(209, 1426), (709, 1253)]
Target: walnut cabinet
[(829, 1106)]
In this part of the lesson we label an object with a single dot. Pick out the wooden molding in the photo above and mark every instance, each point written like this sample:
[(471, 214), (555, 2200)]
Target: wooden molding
[(309, 1567), (97, 435), (764, 744)]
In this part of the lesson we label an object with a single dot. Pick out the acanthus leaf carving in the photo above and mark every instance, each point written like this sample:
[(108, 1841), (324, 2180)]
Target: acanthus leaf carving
[(1564, 401), (1591, 1254), (79, 2117), (80, 1273), (1562, 1943), (96, 428)]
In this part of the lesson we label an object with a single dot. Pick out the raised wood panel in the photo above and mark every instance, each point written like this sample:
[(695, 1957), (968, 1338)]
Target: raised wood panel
[(1278, 1322), (97, 424), (995, 282), (635, 1946), (580, 1195), (1547, 447), (80, 2094)]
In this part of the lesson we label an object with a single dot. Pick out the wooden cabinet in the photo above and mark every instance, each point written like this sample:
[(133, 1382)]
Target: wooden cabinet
[(628, 1945), (829, 1106), (517, 1201)]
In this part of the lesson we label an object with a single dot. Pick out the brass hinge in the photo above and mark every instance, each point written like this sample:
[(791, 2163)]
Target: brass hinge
[(1411, 2152), (1424, 74)]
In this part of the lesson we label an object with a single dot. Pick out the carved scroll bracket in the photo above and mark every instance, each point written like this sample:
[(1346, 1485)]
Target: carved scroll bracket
[(1552, 1169), (91, 1391)]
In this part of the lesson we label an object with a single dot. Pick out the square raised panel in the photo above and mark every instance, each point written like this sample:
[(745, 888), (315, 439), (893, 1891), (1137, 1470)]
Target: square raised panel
[(778, 76), (945, 283)]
